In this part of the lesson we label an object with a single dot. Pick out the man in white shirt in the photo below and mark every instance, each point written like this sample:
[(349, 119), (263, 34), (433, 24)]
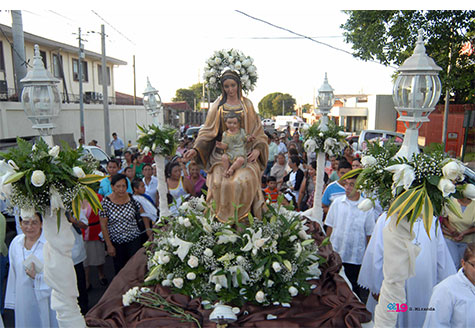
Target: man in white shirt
[(349, 229), (282, 148), (151, 183)]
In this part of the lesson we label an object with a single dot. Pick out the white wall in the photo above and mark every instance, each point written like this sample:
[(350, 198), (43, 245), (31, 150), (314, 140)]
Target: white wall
[(123, 121)]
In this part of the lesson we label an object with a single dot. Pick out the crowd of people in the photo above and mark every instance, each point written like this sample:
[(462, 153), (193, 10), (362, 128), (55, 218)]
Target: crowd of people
[(130, 206)]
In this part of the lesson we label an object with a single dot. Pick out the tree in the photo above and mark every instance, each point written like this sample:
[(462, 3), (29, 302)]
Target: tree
[(275, 104), (389, 36), (195, 93)]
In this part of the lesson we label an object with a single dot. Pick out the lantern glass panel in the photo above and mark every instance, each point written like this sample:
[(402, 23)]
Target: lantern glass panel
[(416, 91), (325, 100)]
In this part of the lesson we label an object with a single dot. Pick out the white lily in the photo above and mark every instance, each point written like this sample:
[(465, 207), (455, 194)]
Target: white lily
[(54, 152), (314, 269), (234, 272), (403, 175), (469, 191), (328, 144), (5, 172), (55, 200), (255, 242), (218, 279), (366, 205), (453, 171), (183, 247), (227, 237), (446, 186)]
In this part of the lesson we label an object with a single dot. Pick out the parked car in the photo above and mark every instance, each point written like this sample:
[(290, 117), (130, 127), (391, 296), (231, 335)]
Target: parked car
[(268, 123), (98, 154), (192, 131), (367, 135)]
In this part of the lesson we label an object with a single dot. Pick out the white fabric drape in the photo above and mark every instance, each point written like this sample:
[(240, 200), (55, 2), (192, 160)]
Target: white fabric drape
[(59, 271), (162, 186)]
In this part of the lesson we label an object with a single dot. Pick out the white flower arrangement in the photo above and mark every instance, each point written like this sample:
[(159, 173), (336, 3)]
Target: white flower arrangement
[(37, 178), (332, 141), (234, 60), (422, 186), (160, 140), (218, 262)]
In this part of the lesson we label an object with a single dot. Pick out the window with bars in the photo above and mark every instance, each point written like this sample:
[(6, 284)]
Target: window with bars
[(57, 65)]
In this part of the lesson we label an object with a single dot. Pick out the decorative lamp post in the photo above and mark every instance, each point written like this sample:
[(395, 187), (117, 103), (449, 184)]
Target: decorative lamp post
[(416, 91), (415, 94), (40, 98), (41, 102), (154, 107), (325, 101), (153, 103)]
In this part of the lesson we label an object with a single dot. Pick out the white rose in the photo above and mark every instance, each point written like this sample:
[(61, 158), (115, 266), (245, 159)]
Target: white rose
[(193, 262), (38, 178), (164, 260), (368, 160), (341, 133), (191, 276), (217, 60), (238, 65), (320, 134), (293, 291), (54, 151), (208, 252), (167, 141), (260, 296), (365, 205), (178, 282), (446, 186), (469, 191), (187, 222), (303, 235), (276, 266), (240, 259), (453, 171), (270, 283), (212, 80), (166, 283), (78, 172)]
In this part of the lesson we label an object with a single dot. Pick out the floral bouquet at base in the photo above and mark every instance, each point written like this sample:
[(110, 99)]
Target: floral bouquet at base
[(331, 141), (36, 178), (422, 186), (264, 262)]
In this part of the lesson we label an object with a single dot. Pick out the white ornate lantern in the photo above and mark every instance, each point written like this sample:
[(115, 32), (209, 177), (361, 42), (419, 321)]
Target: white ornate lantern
[(40, 96), (153, 102), (416, 92), (325, 101)]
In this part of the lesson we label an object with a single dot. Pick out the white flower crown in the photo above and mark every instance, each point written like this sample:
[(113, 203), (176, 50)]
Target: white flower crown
[(234, 60)]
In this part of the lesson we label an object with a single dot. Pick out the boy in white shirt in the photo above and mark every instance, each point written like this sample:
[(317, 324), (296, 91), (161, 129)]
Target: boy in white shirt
[(349, 229)]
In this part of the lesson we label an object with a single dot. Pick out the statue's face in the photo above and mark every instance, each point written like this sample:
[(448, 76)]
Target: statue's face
[(230, 87), (232, 124)]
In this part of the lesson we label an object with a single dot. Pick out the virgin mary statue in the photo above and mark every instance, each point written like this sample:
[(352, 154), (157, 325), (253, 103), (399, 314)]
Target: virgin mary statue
[(242, 190)]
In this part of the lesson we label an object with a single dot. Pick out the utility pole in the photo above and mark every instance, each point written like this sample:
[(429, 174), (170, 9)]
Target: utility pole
[(104, 92), (81, 99), (18, 50), (135, 84)]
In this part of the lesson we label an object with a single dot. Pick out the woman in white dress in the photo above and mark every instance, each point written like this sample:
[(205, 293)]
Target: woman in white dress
[(27, 292), (453, 300)]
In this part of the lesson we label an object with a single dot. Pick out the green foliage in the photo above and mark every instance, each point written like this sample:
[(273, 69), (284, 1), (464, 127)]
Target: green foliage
[(274, 103), (389, 36), (194, 94)]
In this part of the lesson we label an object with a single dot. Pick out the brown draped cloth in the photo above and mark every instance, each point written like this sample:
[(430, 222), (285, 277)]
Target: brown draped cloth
[(331, 304), (243, 187)]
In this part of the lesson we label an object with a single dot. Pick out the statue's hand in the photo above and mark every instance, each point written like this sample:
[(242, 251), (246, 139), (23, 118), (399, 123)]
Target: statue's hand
[(252, 157), (190, 154)]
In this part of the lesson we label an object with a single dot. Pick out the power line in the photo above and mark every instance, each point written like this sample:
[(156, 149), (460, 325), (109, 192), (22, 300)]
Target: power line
[(114, 28), (14, 49), (303, 36), (276, 37)]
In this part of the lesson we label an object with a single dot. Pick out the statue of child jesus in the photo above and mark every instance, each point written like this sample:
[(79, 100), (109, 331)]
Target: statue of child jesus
[(234, 144)]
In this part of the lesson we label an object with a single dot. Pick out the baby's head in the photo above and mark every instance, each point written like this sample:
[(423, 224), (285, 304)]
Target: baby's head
[(232, 121)]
